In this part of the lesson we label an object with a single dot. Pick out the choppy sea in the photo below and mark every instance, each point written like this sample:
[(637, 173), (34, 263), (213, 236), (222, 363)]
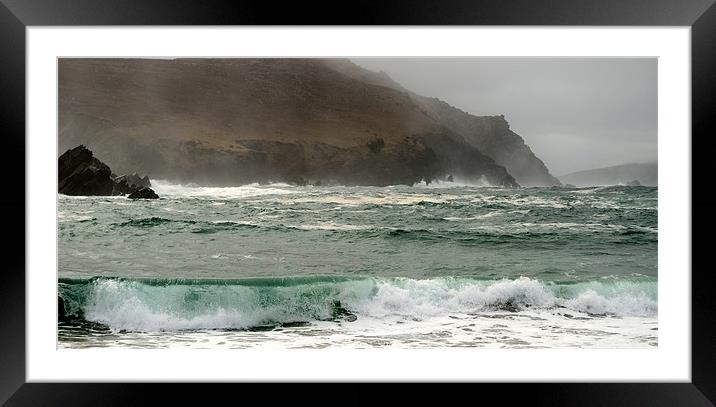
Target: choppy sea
[(425, 266)]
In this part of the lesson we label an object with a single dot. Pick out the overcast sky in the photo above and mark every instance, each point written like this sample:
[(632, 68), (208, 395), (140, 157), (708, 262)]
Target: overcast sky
[(574, 113)]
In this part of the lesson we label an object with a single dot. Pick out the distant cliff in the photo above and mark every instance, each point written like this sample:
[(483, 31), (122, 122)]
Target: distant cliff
[(489, 134), (236, 121), (645, 174)]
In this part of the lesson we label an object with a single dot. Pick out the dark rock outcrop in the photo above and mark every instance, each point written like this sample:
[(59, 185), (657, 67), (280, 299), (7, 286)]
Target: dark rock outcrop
[(122, 188), (342, 314), (126, 184), (143, 193), (61, 315), (134, 180), (80, 173)]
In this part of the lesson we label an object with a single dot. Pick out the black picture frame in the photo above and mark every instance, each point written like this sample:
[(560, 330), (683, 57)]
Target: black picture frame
[(16, 15)]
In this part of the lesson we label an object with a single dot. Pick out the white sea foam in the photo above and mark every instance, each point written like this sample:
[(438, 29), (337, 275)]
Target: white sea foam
[(169, 190), (457, 183), (393, 199), (422, 298), (331, 226), (134, 305), (476, 217), (526, 329)]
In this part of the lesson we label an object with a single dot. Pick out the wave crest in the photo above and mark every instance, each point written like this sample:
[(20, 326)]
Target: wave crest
[(237, 304)]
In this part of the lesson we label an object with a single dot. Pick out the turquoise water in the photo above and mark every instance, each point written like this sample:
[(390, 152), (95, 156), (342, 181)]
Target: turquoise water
[(352, 261)]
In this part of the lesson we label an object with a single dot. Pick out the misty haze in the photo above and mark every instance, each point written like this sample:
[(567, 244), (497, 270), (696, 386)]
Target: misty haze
[(575, 113), (366, 202)]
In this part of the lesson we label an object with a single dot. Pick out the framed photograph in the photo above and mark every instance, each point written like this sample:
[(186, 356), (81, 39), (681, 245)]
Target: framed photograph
[(475, 192)]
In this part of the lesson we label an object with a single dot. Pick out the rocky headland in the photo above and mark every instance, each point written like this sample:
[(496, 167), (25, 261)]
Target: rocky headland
[(633, 174), (80, 173), (229, 122)]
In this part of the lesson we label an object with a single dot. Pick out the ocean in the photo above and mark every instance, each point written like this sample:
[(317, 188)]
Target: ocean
[(281, 266)]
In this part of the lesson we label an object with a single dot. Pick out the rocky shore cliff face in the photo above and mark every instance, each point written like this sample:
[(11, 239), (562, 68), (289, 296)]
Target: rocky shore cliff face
[(80, 173), (491, 135), (237, 121)]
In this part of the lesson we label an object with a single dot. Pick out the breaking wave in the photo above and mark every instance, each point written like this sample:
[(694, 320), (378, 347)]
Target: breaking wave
[(156, 305)]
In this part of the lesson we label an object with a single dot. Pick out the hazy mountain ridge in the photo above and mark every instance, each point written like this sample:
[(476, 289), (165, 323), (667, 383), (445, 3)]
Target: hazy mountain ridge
[(489, 134), (234, 121), (645, 173)]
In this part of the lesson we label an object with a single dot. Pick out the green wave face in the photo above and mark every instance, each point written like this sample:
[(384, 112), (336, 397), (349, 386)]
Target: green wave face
[(150, 305)]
